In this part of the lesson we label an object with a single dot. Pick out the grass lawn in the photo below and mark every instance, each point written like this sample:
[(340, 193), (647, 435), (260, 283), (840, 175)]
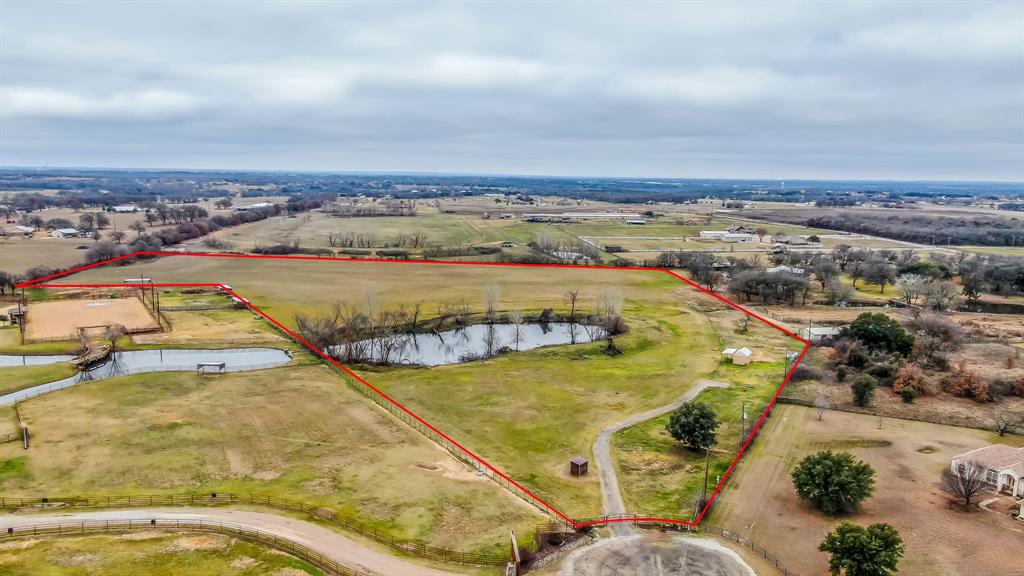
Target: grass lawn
[(996, 250), (660, 477), (10, 343), (14, 378), (153, 553), (295, 432)]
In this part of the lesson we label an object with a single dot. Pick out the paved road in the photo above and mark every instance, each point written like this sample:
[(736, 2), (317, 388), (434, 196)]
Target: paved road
[(611, 494), (335, 545)]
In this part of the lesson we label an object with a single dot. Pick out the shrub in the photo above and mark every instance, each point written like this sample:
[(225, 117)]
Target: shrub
[(840, 373), (883, 372), (863, 390), (966, 382), (908, 395), (805, 372), (911, 377)]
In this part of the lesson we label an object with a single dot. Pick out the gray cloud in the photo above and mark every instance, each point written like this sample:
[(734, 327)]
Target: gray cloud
[(743, 89)]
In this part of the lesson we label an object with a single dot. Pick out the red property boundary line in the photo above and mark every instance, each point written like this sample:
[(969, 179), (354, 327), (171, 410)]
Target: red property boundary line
[(43, 283)]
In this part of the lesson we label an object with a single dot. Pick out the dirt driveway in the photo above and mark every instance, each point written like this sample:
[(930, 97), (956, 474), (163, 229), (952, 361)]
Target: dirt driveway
[(908, 458)]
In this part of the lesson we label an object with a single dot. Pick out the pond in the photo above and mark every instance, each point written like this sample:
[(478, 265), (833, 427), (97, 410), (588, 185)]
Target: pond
[(992, 307), (474, 342), (138, 361)]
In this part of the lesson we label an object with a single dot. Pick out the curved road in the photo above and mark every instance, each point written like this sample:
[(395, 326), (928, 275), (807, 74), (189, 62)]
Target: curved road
[(334, 545), (611, 495)]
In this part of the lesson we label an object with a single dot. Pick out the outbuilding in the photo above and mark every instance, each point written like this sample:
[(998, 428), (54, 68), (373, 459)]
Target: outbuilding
[(739, 356), (578, 466)]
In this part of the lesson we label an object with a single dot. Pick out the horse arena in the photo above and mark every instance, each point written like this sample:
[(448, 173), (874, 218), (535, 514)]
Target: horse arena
[(62, 319)]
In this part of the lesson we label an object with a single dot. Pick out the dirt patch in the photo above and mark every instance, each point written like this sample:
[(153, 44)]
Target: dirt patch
[(450, 468), (202, 542), (19, 544), (144, 535), (655, 555), (243, 562), (61, 319)]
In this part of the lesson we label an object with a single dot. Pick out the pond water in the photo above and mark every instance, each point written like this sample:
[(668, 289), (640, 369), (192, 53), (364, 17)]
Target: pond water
[(470, 343), (8, 360), (138, 361), (992, 307)]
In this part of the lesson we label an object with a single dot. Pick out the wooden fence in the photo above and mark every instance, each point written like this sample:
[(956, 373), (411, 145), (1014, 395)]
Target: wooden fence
[(413, 547), (301, 551)]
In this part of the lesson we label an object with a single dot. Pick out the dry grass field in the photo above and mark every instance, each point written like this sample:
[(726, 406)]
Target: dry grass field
[(908, 458), (19, 254), (529, 412), (152, 553), (296, 432), (61, 319)]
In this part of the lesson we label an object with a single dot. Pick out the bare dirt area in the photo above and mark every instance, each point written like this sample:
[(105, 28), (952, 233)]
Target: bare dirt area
[(61, 319), (655, 555), (908, 458)]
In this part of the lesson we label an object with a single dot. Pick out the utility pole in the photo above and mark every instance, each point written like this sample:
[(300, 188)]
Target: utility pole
[(743, 430)]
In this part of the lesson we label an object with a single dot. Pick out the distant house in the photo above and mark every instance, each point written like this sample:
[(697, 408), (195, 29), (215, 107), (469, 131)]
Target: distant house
[(793, 240), (712, 234), (25, 231), (126, 208), (256, 206), (1003, 467), (818, 334), (636, 222), (507, 216), (739, 356), (733, 237), (65, 233), (741, 230), (787, 269)]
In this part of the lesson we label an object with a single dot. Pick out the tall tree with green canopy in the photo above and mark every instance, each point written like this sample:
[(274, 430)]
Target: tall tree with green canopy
[(880, 333), (859, 551), (833, 482), (693, 424)]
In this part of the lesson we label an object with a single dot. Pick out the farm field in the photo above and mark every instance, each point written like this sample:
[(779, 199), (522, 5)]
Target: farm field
[(296, 432), (515, 411), (908, 457), (19, 254), (314, 232), (155, 553)]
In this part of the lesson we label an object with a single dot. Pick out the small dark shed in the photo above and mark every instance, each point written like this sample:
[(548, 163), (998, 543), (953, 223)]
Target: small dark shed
[(578, 466)]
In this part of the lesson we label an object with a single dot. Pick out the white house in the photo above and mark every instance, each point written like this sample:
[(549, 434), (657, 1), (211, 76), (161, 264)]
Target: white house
[(816, 334), (1003, 465), (787, 269), (25, 231), (256, 206), (126, 208), (65, 233), (739, 356), (637, 222), (737, 237)]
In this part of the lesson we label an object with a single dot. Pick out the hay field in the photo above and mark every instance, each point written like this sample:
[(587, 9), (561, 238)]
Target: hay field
[(61, 319), (297, 432), (19, 254)]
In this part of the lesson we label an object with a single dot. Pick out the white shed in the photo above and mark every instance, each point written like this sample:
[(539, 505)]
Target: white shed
[(739, 356)]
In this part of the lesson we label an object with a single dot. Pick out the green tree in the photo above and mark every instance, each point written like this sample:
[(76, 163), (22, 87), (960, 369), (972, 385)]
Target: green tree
[(859, 551), (863, 390), (833, 482), (694, 425), (878, 332)]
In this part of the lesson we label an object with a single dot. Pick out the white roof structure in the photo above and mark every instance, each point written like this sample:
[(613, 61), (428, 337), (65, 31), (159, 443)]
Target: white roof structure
[(789, 269), (741, 351), (66, 231)]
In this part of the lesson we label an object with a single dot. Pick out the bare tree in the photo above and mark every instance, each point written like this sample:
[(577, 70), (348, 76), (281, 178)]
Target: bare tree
[(517, 317), (571, 296), (821, 403), (491, 300), (910, 287), (964, 481), (1007, 422)]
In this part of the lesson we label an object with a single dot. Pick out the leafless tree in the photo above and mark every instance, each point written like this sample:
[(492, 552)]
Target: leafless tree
[(910, 287), (821, 403), (491, 298), (517, 317), (572, 295), (964, 481), (1007, 422)]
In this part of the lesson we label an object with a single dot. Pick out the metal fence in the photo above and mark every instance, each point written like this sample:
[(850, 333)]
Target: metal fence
[(413, 547), (98, 526), (198, 307)]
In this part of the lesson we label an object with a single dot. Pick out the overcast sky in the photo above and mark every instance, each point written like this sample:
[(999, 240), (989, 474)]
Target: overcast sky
[(858, 90)]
